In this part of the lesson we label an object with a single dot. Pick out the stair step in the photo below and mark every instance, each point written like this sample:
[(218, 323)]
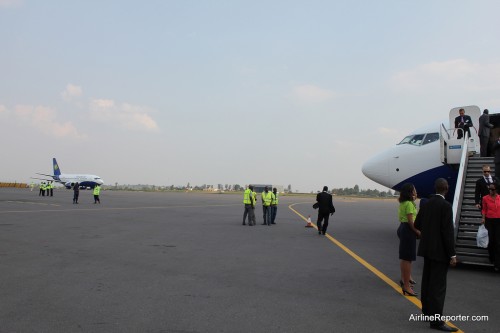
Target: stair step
[(469, 220), (467, 228), (470, 251), (468, 260), (470, 246)]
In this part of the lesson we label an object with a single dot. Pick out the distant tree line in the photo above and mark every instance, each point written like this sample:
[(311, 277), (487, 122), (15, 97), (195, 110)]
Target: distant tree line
[(352, 191), (357, 191), (188, 187)]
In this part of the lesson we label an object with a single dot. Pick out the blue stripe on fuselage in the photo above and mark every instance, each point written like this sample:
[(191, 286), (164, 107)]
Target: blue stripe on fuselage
[(424, 181)]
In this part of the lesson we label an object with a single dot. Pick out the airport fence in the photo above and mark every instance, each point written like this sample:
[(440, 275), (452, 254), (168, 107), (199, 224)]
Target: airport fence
[(19, 185)]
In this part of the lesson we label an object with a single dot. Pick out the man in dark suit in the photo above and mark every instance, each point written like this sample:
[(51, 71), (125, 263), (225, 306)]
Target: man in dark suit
[(464, 122), (437, 246), (484, 132), (482, 185), (496, 160), (325, 209)]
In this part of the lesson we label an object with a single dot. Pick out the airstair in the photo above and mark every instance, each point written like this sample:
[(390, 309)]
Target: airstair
[(464, 154), (469, 217)]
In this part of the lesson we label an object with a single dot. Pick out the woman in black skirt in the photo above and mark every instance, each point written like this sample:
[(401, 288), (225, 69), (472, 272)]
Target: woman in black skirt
[(407, 234)]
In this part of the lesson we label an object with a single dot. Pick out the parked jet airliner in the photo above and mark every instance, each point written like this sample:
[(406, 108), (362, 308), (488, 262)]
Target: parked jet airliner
[(68, 180), (419, 158)]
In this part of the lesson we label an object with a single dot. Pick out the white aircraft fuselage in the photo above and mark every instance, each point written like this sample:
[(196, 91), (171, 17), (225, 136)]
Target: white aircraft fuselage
[(416, 159), (68, 180)]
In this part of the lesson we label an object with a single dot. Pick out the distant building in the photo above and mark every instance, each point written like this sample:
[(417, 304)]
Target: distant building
[(259, 188)]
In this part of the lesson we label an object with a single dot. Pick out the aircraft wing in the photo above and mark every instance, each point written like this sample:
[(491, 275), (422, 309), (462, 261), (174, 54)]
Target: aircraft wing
[(42, 178), (42, 174)]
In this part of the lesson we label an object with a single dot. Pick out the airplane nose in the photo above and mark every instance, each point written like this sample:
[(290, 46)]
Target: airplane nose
[(377, 169)]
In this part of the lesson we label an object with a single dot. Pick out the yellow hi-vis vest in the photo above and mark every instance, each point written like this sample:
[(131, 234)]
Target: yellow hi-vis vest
[(97, 190), (274, 199), (246, 197), (266, 198), (254, 198)]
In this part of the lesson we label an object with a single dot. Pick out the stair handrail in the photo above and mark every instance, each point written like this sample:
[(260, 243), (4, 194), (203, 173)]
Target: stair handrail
[(458, 196), (443, 143), (445, 130)]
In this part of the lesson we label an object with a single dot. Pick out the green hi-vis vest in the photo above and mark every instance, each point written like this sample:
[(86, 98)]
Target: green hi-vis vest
[(246, 197), (266, 198), (97, 190), (275, 199)]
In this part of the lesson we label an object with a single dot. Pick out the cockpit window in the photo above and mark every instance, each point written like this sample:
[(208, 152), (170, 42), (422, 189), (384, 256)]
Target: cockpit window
[(431, 137), (406, 140), (417, 139), (420, 139)]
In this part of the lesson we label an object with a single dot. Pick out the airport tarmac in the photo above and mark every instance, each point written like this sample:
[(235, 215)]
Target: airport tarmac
[(182, 262)]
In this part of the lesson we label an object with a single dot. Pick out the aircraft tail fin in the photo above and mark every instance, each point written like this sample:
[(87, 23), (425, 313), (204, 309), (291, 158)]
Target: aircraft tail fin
[(57, 171)]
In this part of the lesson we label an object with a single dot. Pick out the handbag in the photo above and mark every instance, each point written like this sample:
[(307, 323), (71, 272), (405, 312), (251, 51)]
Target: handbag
[(482, 238), (316, 205)]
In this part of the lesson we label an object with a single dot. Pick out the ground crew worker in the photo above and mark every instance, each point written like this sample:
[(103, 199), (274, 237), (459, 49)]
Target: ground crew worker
[(32, 185), (76, 192), (51, 188), (254, 200), (42, 189), (266, 205), (249, 204), (97, 191), (274, 205)]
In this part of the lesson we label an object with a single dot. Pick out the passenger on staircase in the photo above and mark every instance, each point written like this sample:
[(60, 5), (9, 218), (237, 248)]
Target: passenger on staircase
[(482, 185), (496, 151), (463, 122), (491, 219), (484, 132)]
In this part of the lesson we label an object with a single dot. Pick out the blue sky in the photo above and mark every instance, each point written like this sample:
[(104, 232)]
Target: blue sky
[(233, 92)]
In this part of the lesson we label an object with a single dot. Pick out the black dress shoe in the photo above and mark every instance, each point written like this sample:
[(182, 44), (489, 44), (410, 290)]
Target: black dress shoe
[(319, 232), (444, 327)]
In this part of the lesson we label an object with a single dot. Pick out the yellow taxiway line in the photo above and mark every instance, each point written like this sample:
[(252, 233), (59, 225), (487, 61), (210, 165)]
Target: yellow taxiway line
[(371, 268)]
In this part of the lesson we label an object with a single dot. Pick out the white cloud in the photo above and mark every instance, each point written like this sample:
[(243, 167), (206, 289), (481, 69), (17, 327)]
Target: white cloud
[(45, 120), (10, 3), (71, 92), (453, 75), (312, 93), (125, 115)]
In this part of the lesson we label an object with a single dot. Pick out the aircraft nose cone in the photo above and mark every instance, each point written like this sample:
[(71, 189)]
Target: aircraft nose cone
[(377, 169)]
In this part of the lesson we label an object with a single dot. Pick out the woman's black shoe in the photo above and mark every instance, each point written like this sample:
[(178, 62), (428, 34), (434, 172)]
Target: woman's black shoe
[(401, 282), (406, 292)]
